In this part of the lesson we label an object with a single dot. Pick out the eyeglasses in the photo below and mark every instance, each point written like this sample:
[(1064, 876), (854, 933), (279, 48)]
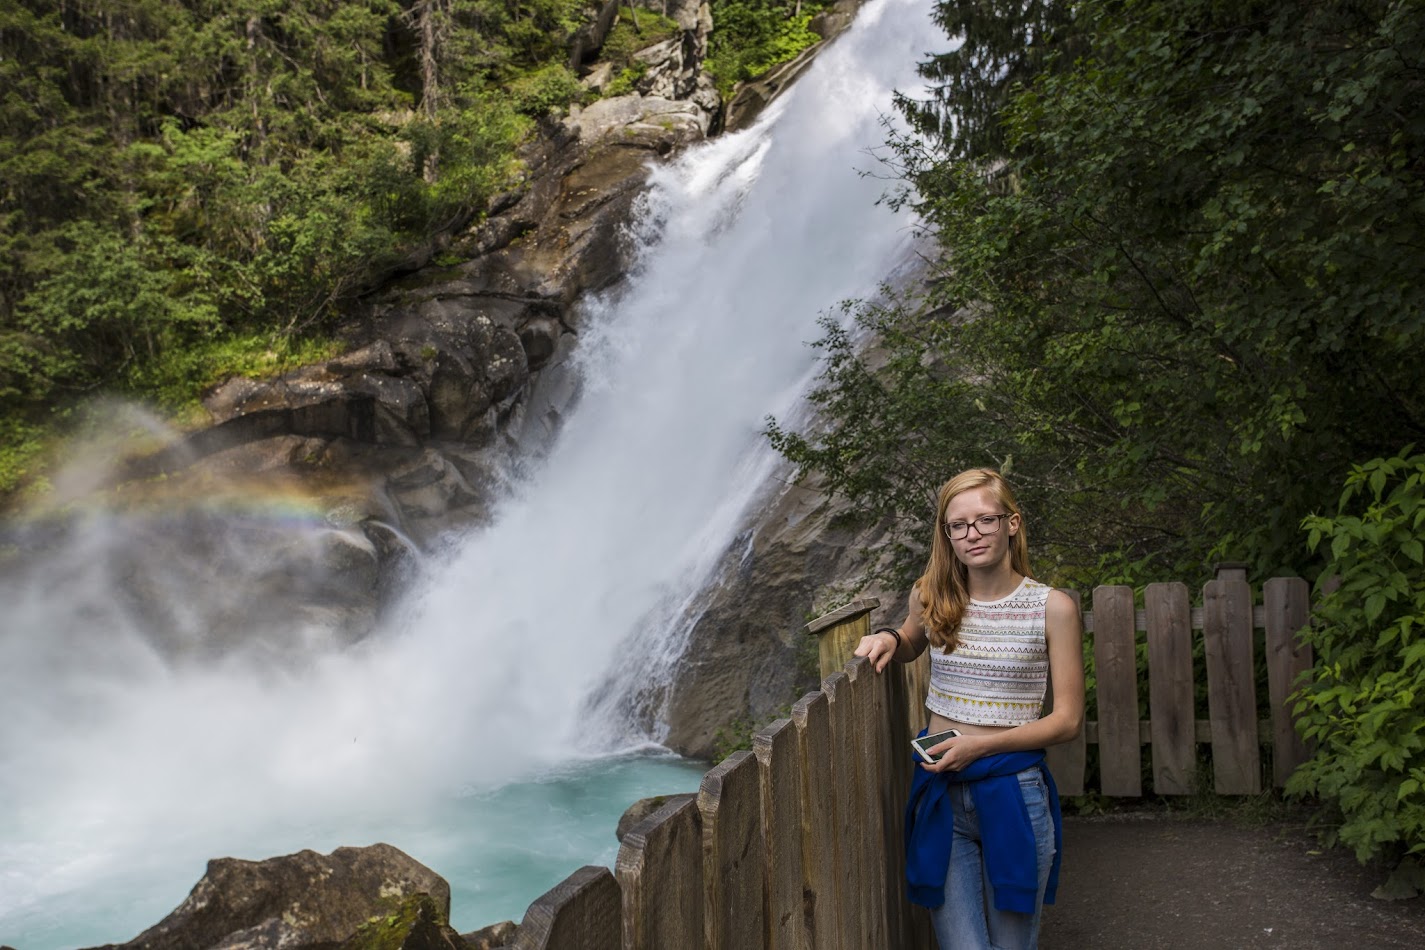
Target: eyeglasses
[(984, 524)]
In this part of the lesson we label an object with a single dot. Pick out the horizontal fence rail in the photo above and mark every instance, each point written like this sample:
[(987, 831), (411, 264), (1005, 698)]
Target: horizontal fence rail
[(798, 843)]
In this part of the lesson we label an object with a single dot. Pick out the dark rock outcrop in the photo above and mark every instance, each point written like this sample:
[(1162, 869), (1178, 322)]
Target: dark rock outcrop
[(375, 897), (748, 657)]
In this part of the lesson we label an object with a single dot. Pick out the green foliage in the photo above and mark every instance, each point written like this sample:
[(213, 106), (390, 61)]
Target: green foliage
[(413, 920), (626, 80), (1002, 43), (736, 736), (627, 37), (179, 175), (1183, 304), (21, 446), (178, 379), (1364, 707), (752, 36), (546, 90)]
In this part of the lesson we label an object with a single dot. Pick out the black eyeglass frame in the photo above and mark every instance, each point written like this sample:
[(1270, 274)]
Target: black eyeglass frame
[(978, 525)]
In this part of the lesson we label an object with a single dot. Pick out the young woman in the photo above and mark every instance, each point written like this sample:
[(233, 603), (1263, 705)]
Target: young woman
[(982, 840)]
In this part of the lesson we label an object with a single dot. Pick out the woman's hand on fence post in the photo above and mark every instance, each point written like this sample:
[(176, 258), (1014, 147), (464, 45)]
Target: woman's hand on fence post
[(879, 647)]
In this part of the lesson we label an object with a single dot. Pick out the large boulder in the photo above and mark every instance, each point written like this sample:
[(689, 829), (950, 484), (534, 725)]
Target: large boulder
[(375, 897)]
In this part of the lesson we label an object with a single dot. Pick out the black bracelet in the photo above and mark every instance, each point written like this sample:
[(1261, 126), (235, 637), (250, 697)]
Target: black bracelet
[(893, 632)]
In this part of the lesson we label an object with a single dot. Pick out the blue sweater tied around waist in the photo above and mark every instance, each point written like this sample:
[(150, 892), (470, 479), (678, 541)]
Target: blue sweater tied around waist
[(1007, 836)]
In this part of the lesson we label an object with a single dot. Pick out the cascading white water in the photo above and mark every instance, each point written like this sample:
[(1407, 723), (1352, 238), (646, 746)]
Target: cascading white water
[(116, 765)]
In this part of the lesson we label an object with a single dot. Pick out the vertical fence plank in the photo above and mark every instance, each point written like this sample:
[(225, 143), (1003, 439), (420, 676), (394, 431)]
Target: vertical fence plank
[(894, 739), (730, 800), (1068, 760), (871, 840), (579, 913), (1287, 601), (1231, 687), (917, 683), (660, 871), (1116, 670), (1170, 688), (821, 872), (779, 765), (846, 782)]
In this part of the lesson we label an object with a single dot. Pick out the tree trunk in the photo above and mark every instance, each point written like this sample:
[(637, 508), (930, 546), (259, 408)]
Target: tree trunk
[(427, 17)]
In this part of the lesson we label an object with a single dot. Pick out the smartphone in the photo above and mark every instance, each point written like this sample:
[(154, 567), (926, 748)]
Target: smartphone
[(925, 742)]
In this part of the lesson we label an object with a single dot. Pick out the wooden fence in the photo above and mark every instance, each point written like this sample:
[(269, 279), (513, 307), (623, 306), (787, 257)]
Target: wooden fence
[(798, 843)]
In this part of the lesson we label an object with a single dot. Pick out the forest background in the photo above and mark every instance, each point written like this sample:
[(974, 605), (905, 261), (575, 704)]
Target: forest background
[(1178, 296)]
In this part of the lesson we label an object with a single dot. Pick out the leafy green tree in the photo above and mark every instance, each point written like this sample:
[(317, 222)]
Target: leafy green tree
[(1000, 44), (1184, 302), (1364, 706)]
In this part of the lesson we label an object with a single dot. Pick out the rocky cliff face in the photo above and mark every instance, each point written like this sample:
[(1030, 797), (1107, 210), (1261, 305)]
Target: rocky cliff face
[(748, 656)]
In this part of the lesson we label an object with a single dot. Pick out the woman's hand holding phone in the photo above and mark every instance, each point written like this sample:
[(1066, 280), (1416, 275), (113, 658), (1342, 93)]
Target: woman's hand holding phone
[(925, 745)]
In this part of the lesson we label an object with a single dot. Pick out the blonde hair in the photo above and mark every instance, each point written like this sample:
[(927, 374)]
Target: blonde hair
[(944, 587)]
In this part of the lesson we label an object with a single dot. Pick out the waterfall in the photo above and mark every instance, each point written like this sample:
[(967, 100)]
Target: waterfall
[(115, 762)]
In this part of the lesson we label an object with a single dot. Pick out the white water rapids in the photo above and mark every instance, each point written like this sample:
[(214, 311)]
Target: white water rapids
[(117, 767)]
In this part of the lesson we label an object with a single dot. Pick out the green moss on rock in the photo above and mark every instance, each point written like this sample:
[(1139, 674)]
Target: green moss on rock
[(415, 923)]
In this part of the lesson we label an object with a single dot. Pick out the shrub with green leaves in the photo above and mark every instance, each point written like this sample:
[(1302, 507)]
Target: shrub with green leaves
[(751, 36), (1364, 708)]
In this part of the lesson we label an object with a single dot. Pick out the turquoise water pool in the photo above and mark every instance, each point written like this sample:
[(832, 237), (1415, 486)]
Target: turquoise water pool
[(499, 848)]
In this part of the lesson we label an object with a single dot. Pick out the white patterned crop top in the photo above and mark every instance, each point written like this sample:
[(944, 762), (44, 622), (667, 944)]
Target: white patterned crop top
[(998, 674)]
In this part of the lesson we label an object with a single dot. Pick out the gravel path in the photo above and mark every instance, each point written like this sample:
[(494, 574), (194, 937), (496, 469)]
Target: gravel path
[(1149, 881)]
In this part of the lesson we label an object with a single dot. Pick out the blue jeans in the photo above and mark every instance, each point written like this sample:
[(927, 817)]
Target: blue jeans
[(968, 919)]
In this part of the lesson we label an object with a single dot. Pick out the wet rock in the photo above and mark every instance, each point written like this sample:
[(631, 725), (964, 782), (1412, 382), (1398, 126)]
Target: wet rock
[(492, 937), (307, 901), (644, 807)]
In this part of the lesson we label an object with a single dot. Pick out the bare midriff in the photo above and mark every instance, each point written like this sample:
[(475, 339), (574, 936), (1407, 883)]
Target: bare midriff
[(939, 723)]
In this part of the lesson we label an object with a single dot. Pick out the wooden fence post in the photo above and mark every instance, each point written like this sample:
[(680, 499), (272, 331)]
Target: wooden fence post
[(1171, 714), (780, 768), (660, 871), (838, 633), (730, 800), (868, 726), (579, 913), (822, 876), (1231, 684), (846, 780), (1287, 606), (1116, 667), (896, 767)]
